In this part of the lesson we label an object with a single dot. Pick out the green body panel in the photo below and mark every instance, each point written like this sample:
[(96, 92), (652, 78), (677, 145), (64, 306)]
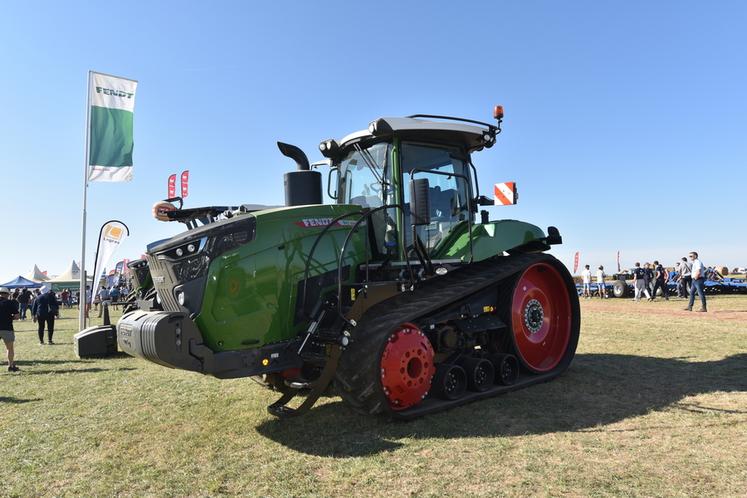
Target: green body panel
[(488, 240), (250, 295)]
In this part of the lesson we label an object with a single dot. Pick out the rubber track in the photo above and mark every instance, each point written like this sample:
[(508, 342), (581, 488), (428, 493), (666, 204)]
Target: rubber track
[(358, 375)]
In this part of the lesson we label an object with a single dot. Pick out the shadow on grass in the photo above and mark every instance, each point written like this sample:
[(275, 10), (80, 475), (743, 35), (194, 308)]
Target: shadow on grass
[(4, 399), (75, 370), (599, 389), (48, 362)]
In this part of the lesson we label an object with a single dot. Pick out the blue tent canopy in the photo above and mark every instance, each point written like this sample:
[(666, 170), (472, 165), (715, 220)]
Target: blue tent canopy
[(19, 281)]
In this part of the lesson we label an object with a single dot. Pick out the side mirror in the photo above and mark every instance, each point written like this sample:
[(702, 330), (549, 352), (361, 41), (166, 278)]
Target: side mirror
[(336, 172), (420, 202)]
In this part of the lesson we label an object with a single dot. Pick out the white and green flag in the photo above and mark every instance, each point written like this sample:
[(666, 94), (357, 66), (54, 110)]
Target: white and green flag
[(112, 105)]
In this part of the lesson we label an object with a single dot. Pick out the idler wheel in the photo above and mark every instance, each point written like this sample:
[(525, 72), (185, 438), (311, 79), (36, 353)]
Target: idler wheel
[(406, 367)]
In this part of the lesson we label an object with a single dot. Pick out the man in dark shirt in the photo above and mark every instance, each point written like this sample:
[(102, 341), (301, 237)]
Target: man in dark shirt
[(660, 280), (8, 313), (23, 300), (44, 310)]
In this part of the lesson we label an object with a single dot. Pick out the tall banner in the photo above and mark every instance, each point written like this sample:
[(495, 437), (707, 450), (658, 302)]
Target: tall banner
[(185, 183), (575, 262), (618, 261), (110, 238), (171, 187), (110, 141)]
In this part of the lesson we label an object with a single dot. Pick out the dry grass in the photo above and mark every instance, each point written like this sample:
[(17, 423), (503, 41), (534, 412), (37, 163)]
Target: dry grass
[(654, 404)]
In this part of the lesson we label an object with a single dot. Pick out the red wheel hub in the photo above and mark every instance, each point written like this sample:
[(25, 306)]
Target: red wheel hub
[(406, 367), (541, 317)]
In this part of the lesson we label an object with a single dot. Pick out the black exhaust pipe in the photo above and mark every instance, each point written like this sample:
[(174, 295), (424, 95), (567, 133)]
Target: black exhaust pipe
[(302, 186)]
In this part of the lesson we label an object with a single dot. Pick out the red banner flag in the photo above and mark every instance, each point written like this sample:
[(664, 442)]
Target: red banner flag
[(172, 187), (575, 262), (185, 183)]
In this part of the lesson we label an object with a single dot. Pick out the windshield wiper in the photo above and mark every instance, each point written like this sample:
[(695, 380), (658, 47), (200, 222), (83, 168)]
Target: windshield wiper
[(368, 159)]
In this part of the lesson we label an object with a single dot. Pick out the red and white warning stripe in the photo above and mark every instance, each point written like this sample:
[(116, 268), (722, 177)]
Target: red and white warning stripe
[(505, 193)]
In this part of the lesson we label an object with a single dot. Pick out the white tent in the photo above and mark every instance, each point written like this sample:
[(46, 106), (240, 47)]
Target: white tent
[(36, 275), (69, 279), (72, 273)]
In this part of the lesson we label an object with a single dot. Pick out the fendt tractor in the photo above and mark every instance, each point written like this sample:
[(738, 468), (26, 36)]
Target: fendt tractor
[(395, 297)]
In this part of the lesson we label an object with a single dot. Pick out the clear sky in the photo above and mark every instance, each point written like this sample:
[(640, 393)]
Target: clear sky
[(625, 121)]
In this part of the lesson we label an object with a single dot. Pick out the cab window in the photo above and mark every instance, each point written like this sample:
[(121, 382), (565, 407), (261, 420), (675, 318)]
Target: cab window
[(449, 195)]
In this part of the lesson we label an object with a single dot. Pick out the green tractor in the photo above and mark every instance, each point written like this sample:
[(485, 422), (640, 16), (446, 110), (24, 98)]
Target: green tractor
[(394, 297)]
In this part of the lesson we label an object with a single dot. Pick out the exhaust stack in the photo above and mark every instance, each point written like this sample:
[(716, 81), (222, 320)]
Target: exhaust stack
[(302, 186)]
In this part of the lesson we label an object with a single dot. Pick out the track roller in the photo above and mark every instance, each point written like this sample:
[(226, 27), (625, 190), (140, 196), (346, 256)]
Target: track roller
[(450, 381), (480, 373), (506, 368)]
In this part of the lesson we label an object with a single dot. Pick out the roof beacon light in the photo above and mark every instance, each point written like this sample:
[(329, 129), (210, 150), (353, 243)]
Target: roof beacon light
[(498, 112)]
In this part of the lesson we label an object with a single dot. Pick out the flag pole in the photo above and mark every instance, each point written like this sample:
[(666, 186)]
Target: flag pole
[(83, 299)]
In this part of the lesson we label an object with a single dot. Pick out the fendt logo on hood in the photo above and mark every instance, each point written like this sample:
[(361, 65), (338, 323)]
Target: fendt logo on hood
[(322, 222), (114, 93)]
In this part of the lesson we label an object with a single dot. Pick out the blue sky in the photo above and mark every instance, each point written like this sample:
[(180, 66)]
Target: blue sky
[(625, 122)]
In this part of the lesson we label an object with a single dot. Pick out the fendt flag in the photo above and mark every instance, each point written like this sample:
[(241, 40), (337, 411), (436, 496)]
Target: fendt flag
[(110, 142)]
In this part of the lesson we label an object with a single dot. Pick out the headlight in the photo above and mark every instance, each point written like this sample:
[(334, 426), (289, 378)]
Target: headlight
[(180, 298)]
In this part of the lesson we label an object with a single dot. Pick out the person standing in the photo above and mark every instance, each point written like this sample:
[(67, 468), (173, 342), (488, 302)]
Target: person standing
[(104, 299), (65, 295), (660, 281), (23, 301), (600, 282), (686, 280), (586, 278), (639, 283), (114, 296), (45, 310), (89, 300), (8, 313), (698, 279)]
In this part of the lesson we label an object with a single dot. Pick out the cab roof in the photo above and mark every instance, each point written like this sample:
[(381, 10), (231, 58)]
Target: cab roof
[(472, 136)]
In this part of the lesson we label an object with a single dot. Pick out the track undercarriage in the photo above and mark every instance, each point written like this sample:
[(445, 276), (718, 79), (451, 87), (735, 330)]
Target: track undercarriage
[(479, 331)]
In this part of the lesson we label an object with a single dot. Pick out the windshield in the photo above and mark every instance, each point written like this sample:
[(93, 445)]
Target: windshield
[(362, 173)]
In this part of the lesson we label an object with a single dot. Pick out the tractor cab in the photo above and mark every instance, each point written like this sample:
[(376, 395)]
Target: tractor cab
[(420, 162)]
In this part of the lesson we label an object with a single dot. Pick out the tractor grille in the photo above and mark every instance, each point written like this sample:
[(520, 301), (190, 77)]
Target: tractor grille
[(164, 281)]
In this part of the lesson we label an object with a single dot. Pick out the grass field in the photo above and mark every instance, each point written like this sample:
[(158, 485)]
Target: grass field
[(654, 404)]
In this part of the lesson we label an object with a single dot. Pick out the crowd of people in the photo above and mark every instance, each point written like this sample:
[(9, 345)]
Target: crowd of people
[(689, 274), (43, 306)]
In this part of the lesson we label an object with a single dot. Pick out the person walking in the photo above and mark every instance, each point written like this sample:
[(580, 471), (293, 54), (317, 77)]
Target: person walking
[(600, 282), (686, 280), (24, 298), (586, 278), (8, 313), (45, 310), (698, 281), (660, 281), (648, 277), (639, 283)]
